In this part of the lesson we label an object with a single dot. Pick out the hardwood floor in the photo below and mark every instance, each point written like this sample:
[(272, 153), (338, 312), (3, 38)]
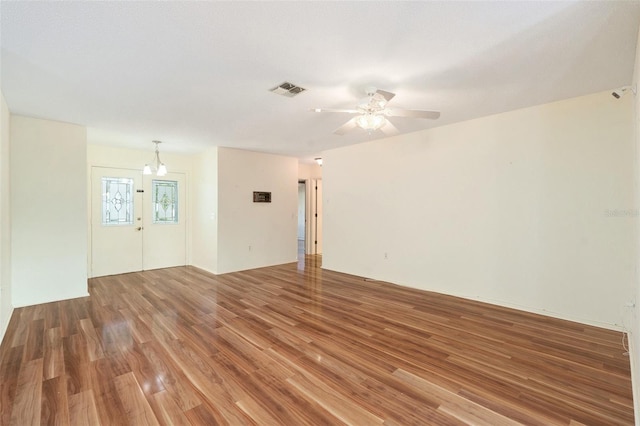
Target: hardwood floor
[(295, 345)]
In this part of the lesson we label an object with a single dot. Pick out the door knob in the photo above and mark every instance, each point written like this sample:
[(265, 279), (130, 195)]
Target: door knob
[(139, 228)]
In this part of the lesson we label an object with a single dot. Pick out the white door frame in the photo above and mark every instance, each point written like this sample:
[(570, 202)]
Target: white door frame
[(314, 216), (306, 215)]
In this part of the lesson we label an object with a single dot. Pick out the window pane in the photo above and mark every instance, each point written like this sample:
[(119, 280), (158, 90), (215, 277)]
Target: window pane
[(117, 201), (165, 201)]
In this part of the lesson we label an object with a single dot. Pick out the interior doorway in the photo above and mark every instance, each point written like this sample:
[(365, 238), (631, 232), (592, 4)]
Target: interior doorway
[(316, 217), (302, 218), (309, 217)]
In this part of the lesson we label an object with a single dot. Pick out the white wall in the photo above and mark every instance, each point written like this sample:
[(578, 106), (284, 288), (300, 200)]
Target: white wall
[(48, 208), (205, 211), (509, 209), (252, 235), (6, 307)]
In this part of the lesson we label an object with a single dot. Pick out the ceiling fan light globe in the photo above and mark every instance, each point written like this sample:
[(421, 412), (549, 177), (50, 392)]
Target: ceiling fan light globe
[(370, 121)]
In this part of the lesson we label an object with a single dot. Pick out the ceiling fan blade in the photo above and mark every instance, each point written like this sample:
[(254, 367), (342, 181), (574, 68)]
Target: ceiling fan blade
[(412, 113), (386, 95), (350, 111), (389, 129), (349, 125)]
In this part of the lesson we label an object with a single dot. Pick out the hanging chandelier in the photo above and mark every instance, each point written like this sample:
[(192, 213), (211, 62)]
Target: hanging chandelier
[(158, 166)]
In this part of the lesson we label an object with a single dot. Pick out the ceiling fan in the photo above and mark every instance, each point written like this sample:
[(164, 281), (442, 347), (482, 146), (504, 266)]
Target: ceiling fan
[(372, 113)]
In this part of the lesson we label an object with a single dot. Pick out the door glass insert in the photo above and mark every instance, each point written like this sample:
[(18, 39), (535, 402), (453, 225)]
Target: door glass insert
[(165, 201), (117, 201)]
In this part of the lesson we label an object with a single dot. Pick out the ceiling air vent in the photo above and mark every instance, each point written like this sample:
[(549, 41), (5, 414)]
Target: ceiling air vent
[(287, 89)]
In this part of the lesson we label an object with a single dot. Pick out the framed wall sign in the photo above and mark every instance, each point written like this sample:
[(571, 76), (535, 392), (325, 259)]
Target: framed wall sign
[(261, 197)]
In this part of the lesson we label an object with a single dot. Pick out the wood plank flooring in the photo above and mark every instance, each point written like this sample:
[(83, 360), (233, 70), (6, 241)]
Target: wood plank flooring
[(296, 345)]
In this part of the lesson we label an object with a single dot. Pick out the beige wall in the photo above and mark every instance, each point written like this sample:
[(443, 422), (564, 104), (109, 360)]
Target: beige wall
[(633, 316), (135, 159), (252, 235), (205, 211), (532, 209), (48, 202), (309, 171), (6, 307)]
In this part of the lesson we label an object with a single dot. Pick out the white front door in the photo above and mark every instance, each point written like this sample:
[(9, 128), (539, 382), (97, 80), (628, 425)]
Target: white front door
[(164, 241), (116, 221), (137, 222)]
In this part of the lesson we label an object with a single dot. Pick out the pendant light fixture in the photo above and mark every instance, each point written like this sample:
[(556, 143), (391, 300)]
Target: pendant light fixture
[(158, 166)]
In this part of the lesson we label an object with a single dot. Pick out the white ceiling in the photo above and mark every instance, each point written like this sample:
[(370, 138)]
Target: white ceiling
[(197, 74)]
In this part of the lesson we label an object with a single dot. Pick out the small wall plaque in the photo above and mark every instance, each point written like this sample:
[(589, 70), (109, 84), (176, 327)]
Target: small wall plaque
[(261, 197)]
